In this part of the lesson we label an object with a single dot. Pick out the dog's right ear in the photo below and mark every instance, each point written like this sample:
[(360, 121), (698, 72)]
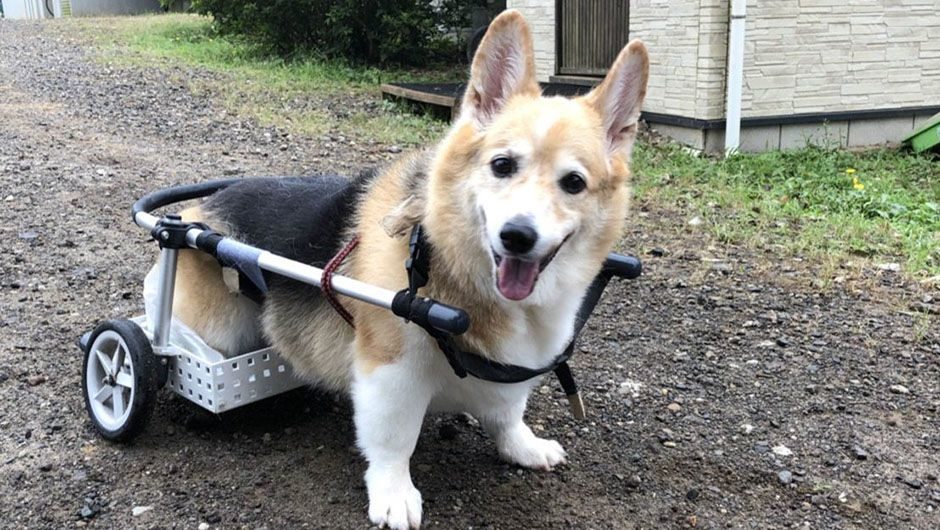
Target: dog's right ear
[(503, 66), (619, 97)]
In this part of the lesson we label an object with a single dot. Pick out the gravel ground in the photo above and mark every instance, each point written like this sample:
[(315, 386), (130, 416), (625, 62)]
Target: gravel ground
[(723, 391)]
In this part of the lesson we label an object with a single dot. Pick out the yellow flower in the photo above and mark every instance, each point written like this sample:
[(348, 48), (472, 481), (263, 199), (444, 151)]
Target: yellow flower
[(857, 184), (849, 170)]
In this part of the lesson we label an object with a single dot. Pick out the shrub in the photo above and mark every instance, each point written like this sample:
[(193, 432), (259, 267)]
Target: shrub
[(372, 31)]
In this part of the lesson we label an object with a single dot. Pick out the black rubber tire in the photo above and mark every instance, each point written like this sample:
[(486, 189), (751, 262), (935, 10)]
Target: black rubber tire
[(145, 366)]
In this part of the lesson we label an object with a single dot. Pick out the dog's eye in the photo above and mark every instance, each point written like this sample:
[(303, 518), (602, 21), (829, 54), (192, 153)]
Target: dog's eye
[(573, 183), (503, 166)]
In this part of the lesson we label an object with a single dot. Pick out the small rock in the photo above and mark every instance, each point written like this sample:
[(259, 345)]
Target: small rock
[(859, 452), (692, 494), (695, 221), (899, 389), (785, 477), (633, 482), (35, 380), (87, 513), (214, 518), (674, 407), (782, 450), (893, 267), (28, 235), (783, 342), (139, 510), (394, 149), (912, 482), (669, 443), (45, 467), (657, 252), (747, 428), (630, 387), (203, 526)]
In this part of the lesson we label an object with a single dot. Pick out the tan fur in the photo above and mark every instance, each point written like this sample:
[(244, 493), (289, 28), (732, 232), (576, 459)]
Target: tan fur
[(316, 342), (313, 338), (204, 303)]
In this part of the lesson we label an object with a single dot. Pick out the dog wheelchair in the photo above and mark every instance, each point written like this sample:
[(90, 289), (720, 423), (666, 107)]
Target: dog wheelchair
[(127, 361)]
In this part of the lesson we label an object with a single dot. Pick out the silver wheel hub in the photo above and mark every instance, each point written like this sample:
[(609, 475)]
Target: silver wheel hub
[(110, 380)]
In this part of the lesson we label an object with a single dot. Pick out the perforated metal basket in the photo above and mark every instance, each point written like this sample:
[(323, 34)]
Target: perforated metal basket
[(204, 376)]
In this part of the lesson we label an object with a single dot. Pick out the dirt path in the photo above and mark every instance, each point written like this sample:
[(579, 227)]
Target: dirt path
[(723, 392)]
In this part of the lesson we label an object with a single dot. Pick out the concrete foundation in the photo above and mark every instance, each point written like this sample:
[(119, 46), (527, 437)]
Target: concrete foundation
[(863, 132)]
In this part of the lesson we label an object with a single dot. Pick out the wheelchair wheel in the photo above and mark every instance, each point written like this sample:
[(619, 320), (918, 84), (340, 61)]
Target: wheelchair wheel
[(119, 379)]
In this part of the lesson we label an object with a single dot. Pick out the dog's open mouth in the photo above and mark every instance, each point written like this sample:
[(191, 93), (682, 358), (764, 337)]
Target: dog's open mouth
[(516, 277)]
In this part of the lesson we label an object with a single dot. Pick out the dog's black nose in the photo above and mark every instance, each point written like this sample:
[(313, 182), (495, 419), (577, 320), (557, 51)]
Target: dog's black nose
[(518, 236)]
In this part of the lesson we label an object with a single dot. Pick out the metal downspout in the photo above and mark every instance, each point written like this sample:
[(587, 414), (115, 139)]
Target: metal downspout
[(735, 76)]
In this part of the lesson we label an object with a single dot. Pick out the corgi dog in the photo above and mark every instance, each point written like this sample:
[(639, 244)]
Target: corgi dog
[(521, 202)]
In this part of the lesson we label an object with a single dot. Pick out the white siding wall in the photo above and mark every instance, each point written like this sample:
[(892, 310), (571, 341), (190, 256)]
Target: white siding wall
[(832, 55), (801, 56), (540, 15)]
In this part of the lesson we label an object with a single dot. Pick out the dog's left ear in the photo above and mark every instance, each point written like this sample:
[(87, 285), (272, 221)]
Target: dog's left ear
[(503, 66), (619, 97)]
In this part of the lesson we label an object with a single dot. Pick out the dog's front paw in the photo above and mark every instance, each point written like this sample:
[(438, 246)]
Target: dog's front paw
[(533, 452), (394, 504)]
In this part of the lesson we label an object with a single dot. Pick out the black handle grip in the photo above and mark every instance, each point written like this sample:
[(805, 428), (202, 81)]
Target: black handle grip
[(453, 320), (622, 266), (426, 312)]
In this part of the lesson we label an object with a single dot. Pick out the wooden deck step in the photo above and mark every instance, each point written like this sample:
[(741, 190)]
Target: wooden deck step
[(447, 95)]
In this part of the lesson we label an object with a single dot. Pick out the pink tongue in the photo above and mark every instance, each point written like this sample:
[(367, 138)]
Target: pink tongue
[(516, 278)]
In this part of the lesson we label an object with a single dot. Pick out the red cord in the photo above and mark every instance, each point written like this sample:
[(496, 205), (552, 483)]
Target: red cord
[(326, 279)]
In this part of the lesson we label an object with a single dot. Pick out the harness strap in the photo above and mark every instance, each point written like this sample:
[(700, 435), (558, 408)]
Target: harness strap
[(326, 280), (463, 363)]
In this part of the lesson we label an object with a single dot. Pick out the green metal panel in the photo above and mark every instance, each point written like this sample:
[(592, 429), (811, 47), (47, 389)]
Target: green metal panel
[(926, 136)]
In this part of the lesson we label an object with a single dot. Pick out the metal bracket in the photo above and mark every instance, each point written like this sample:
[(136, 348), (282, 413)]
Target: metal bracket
[(170, 232)]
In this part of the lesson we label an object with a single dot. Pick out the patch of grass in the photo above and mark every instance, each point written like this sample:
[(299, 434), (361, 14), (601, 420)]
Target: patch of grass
[(299, 94), (880, 204)]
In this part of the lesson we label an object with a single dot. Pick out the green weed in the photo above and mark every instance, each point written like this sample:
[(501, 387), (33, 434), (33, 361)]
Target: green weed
[(881, 204)]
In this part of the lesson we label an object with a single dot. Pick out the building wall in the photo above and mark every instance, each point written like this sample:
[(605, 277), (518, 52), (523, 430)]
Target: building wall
[(24, 9), (37, 8), (805, 56), (540, 14), (801, 56), (113, 7), (687, 43)]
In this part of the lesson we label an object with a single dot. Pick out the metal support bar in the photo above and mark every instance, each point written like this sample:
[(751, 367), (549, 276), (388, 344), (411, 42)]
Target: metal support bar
[(167, 283), (295, 270)]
